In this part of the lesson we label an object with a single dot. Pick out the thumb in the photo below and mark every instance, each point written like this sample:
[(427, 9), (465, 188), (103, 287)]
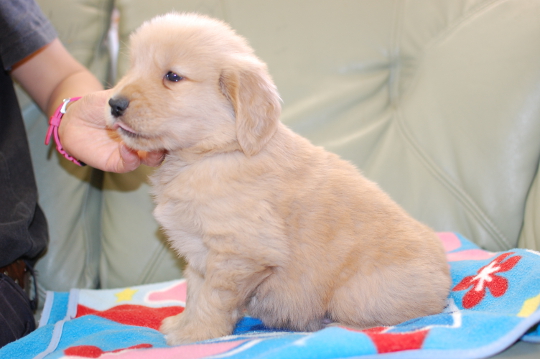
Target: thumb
[(129, 159)]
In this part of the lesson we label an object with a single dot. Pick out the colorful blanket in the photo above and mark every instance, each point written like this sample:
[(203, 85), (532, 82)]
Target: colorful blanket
[(494, 301)]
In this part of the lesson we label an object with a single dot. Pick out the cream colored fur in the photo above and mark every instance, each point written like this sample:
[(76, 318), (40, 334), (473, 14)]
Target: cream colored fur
[(267, 221)]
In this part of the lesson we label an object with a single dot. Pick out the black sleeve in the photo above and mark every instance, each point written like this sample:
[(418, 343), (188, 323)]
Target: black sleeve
[(24, 29)]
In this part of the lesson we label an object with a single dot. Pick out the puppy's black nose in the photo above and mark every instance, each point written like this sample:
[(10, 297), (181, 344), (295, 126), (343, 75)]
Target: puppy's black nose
[(118, 106)]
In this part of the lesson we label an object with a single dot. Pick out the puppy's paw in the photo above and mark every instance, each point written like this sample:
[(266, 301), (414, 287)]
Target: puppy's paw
[(178, 330), (170, 324), (174, 330)]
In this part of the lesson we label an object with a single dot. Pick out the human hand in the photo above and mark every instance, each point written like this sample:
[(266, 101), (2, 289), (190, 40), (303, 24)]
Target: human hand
[(85, 136)]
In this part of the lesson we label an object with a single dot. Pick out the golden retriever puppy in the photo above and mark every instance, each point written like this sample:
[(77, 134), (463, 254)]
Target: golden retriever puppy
[(267, 222)]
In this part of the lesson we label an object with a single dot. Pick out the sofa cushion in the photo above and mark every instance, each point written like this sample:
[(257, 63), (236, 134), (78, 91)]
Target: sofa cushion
[(438, 102)]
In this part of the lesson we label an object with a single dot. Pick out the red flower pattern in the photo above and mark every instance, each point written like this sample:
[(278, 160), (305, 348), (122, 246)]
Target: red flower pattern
[(392, 342), (486, 278)]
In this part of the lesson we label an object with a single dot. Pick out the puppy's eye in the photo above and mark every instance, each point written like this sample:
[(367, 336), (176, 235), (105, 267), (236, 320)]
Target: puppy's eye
[(173, 77)]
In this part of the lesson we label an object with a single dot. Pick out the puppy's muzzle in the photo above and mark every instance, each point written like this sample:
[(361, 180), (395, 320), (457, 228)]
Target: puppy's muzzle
[(118, 106)]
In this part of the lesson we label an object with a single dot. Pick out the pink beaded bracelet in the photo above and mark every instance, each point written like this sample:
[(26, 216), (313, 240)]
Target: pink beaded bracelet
[(54, 123)]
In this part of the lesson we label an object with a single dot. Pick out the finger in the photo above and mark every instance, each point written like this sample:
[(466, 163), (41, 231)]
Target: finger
[(129, 160)]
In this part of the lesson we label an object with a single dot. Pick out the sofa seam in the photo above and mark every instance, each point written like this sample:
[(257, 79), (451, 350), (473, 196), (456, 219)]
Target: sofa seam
[(469, 204), (395, 54), (444, 35), (90, 256), (151, 265), (451, 186), (535, 178)]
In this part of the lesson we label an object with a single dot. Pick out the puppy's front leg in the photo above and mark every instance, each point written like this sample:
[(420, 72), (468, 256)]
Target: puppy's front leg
[(173, 326), (216, 301)]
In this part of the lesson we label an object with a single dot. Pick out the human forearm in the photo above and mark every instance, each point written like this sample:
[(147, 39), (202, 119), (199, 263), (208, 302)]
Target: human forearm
[(77, 84), (52, 74)]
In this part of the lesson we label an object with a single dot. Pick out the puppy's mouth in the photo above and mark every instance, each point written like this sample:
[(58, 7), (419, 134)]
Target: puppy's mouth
[(124, 129)]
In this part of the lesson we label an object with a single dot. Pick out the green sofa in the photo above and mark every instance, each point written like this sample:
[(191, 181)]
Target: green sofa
[(437, 101)]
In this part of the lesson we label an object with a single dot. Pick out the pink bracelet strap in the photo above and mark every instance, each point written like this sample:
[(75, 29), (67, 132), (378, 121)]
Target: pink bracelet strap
[(54, 123)]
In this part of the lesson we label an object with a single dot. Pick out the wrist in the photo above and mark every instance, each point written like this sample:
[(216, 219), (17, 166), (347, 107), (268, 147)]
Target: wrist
[(54, 124)]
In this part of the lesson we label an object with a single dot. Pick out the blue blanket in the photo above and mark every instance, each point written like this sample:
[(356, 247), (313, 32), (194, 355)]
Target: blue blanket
[(494, 301)]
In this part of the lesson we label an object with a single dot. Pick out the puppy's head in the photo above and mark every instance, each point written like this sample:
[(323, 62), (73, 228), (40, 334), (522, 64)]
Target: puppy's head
[(193, 84)]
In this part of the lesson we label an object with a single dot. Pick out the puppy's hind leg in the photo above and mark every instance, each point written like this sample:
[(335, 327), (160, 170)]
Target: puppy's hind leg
[(289, 305), (216, 301), (387, 297)]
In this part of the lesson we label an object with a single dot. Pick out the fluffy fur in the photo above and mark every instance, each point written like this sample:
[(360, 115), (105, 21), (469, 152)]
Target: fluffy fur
[(266, 221)]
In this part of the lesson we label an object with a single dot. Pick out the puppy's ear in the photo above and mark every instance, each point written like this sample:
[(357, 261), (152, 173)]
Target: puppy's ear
[(256, 103)]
